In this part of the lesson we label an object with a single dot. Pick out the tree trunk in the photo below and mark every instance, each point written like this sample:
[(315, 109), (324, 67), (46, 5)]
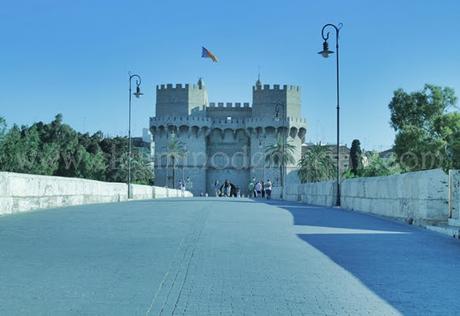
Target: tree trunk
[(173, 173), (281, 181)]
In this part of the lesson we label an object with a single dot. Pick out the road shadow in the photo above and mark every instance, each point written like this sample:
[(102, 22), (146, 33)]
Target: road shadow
[(415, 270)]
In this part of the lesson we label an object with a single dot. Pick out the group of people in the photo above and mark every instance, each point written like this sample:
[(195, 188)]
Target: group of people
[(256, 189), (260, 189), (227, 189)]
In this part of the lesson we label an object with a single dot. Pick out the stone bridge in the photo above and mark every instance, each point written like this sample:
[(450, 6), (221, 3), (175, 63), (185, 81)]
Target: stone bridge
[(207, 256)]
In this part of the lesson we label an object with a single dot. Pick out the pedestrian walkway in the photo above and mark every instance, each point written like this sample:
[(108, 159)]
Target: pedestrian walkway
[(206, 256)]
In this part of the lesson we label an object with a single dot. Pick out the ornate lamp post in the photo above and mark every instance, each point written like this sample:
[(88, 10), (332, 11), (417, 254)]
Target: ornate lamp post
[(137, 94), (325, 53)]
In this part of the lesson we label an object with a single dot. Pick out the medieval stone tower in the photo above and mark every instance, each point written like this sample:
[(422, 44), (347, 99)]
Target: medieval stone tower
[(224, 140)]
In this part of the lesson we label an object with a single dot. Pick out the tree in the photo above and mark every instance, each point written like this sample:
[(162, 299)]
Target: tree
[(425, 128), (22, 151), (280, 154), (115, 151), (57, 149), (376, 166), (355, 156), (316, 165), (3, 127), (175, 150)]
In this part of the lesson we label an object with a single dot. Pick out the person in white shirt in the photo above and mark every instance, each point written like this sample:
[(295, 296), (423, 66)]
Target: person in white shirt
[(258, 189), (268, 189)]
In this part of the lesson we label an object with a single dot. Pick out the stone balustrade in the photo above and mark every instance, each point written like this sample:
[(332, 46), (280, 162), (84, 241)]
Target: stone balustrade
[(24, 192)]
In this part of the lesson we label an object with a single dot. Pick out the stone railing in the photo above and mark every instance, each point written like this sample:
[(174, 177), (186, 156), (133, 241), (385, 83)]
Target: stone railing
[(454, 197), (421, 197), (416, 196), (24, 192)]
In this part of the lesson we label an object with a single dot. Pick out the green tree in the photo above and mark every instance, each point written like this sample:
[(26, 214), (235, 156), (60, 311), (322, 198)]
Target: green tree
[(316, 165), (22, 151), (175, 150), (115, 151), (280, 154), (355, 156), (3, 127), (141, 168), (57, 149), (376, 166), (425, 127)]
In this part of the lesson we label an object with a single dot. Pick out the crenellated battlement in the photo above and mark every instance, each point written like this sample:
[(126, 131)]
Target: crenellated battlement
[(275, 87), (229, 105), (178, 86), (172, 120)]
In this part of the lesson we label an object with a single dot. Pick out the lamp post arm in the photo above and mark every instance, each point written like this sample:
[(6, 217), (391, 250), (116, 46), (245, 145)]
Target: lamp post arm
[(330, 25), (138, 79)]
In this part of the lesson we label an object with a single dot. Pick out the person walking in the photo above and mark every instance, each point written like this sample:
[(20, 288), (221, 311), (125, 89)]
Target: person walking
[(226, 188), (258, 189), (251, 189), (268, 189), (216, 187), (263, 188)]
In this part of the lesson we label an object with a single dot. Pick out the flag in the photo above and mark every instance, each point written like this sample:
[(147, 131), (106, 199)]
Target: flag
[(207, 54)]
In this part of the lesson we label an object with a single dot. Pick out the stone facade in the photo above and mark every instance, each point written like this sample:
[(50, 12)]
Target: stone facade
[(224, 140)]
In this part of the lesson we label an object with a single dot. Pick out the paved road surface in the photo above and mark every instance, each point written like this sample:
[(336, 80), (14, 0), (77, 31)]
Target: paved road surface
[(222, 257)]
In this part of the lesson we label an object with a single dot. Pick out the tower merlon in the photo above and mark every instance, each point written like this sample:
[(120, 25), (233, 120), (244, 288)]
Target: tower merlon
[(179, 86), (277, 87), (229, 105)]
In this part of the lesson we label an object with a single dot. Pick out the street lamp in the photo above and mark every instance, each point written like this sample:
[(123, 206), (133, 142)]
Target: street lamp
[(325, 53), (278, 118), (137, 94)]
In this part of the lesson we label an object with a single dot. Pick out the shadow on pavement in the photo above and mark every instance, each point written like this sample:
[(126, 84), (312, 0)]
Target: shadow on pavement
[(416, 271)]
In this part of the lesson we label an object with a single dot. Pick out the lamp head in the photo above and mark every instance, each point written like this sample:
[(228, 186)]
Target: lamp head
[(325, 52), (138, 92)]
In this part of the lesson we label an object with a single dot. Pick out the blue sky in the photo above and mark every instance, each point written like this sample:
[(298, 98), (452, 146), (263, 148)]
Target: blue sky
[(72, 57)]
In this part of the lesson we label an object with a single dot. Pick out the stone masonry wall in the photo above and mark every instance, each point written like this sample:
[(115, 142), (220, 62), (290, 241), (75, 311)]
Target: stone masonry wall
[(454, 192), (422, 195), (24, 192)]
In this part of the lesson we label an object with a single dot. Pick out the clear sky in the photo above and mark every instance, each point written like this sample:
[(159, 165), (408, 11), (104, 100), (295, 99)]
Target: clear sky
[(73, 56)]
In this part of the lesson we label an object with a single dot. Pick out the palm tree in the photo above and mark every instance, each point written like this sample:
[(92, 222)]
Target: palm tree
[(316, 165), (280, 154), (175, 150)]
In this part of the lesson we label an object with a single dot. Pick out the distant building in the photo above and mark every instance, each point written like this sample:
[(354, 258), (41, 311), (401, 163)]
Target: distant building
[(225, 141), (344, 163), (145, 143)]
